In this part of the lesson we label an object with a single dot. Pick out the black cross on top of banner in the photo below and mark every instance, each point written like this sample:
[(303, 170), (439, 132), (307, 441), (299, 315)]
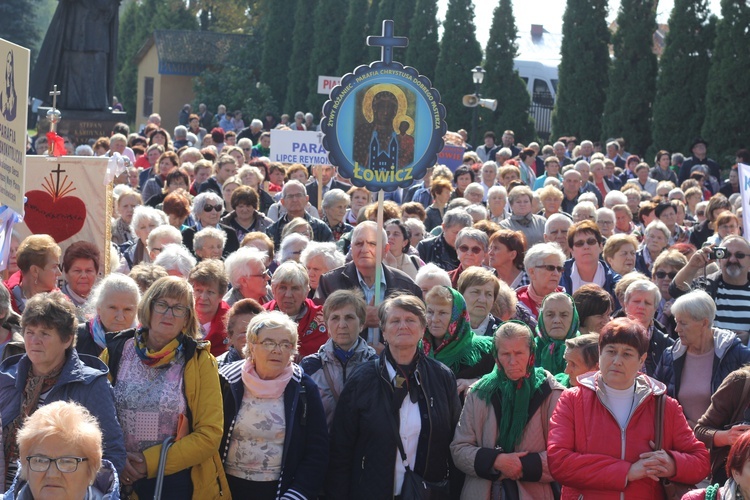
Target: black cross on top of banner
[(386, 41)]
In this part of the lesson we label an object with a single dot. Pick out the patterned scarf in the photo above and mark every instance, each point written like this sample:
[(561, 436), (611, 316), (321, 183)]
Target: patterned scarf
[(405, 381), (155, 359), (338, 230), (459, 346), (36, 385), (98, 333), (550, 353), (524, 220), (515, 396)]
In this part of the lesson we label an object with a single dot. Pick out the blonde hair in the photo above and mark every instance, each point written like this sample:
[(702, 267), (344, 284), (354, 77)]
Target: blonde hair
[(174, 288)]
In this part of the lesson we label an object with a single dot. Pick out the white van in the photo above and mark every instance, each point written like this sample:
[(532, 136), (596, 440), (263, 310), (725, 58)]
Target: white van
[(541, 82)]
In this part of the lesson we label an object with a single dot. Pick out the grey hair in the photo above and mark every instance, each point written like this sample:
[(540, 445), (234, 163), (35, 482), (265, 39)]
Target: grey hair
[(518, 192), (696, 304), (256, 123), (368, 224), (581, 164), (112, 283), (292, 183), (332, 257), (180, 131), (553, 181), (473, 234), (285, 250), (298, 114), (236, 264), (584, 206), (203, 199), (477, 212), (474, 186), (4, 302), (335, 196), (271, 320), (604, 210), (251, 168), (413, 223), (208, 232), (537, 253), (491, 163), (144, 212), (165, 230), (554, 218), (615, 198), (432, 271), (643, 286), (498, 189), (677, 158), (505, 152), (84, 150), (291, 272), (675, 194), (310, 115), (176, 258), (657, 225), (590, 197), (456, 217)]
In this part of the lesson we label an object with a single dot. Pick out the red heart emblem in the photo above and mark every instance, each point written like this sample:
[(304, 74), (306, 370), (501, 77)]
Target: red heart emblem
[(60, 218)]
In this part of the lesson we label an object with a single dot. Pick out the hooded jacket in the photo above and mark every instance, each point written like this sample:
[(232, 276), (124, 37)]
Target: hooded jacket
[(106, 486), (611, 278), (729, 354), (590, 455), (83, 380)]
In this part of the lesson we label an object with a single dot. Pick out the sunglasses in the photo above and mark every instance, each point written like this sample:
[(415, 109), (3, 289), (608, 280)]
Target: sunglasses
[(737, 255), (590, 242), (551, 268), (208, 208), (467, 248), (663, 274)]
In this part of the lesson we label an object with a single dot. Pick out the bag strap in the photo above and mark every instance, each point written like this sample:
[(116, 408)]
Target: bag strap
[(394, 427), (661, 403), (329, 379)]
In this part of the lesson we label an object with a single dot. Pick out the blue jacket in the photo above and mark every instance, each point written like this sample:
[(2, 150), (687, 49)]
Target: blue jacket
[(611, 278), (305, 455), (84, 381), (106, 486), (729, 355)]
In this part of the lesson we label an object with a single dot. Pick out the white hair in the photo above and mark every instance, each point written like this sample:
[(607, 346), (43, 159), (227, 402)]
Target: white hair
[(536, 255), (143, 212), (204, 199), (554, 218), (112, 283), (206, 233), (584, 207), (431, 271), (285, 250), (643, 286), (236, 264), (590, 197), (176, 258), (335, 196), (497, 189), (332, 257), (477, 212), (165, 231), (615, 198), (697, 304), (291, 272), (604, 210)]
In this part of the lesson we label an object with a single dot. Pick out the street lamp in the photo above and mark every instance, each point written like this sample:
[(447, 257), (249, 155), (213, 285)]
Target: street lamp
[(477, 74)]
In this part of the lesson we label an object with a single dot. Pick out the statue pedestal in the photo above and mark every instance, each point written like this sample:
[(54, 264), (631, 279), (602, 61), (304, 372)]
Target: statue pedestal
[(82, 126)]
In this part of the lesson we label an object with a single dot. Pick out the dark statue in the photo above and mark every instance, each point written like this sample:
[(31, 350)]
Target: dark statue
[(79, 55)]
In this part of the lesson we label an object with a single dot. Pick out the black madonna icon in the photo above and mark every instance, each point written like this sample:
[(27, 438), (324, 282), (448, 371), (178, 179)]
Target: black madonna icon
[(384, 124)]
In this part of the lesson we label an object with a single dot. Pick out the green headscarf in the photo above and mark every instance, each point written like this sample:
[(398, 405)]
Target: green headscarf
[(459, 346), (514, 396), (550, 353)]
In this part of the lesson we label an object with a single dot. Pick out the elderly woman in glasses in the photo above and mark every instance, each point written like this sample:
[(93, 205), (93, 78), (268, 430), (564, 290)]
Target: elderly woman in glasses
[(471, 248), (209, 243), (666, 267), (275, 442), (38, 260), (61, 456), (289, 286), (163, 375), (207, 209), (544, 265)]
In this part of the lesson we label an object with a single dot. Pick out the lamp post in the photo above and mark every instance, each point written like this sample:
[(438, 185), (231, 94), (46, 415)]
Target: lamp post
[(477, 74)]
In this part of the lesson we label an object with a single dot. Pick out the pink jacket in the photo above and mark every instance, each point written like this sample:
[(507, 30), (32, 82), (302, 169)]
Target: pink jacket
[(590, 455)]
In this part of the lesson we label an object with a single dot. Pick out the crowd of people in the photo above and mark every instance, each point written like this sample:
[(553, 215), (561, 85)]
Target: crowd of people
[(564, 321)]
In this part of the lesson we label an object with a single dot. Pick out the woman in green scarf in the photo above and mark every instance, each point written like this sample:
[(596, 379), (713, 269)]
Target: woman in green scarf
[(558, 321), (450, 339), (500, 442)]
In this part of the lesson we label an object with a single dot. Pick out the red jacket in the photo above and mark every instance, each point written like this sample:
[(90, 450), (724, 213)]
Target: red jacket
[(217, 332), (311, 328), (590, 456)]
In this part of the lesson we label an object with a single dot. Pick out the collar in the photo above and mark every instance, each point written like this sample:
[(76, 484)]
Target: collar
[(482, 326), (362, 281)]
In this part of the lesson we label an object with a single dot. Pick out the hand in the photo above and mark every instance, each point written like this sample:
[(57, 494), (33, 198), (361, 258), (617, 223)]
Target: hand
[(462, 384), (372, 320), (640, 470), (659, 463), (700, 259), (728, 437), (135, 468), (668, 312), (509, 464)]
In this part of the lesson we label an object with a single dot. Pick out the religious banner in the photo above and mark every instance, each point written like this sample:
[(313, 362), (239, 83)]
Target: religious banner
[(67, 199), (384, 124), (298, 146), (744, 171), (13, 116), (452, 156)]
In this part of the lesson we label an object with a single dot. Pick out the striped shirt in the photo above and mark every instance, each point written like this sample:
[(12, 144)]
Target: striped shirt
[(732, 307)]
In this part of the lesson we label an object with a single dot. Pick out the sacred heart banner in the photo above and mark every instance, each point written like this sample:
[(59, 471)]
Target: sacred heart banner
[(67, 199)]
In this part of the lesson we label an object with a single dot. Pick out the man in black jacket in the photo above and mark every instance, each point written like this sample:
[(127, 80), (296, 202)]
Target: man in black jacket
[(328, 175), (699, 157), (294, 199), (441, 249)]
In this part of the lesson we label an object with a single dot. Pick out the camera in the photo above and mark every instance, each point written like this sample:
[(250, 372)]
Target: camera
[(718, 253)]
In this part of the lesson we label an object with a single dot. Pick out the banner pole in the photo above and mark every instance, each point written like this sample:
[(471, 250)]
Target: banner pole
[(319, 177), (379, 249)]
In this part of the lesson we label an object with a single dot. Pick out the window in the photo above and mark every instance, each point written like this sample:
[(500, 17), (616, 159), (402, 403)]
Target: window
[(148, 96)]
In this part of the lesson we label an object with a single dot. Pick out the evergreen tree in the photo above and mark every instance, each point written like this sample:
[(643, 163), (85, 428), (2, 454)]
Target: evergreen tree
[(679, 106), (277, 47), (502, 82), (459, 54), (403, 14), (728, 90), (423, 49), (386, 10), (299, 64), (19, 24), (324, 60), (353, 39), (581, 90), (632, 80)]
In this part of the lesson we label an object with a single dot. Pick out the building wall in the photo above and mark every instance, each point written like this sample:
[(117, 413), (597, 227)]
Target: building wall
[(147, 67), (174, 92)]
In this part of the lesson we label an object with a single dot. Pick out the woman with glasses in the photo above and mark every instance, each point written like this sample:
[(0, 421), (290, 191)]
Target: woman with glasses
[(666, 267), (52, 370), (275, 441), (585, 242), (207, 209), (166, 384), (400, 254), (471, 248), (544, 265), (61, 456), (38, 260)]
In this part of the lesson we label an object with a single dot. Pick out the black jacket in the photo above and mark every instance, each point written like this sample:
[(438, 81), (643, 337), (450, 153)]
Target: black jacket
[(321, 232), (439, 252), (305, 453), (211, 185), (312, 190), (363, 445), (85, 340)]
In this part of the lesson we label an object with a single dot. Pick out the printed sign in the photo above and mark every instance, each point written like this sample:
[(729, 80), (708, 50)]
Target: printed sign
[(293, 146), (13, 114), (451, 156), (744, 171), (384, 124), (327, 83)]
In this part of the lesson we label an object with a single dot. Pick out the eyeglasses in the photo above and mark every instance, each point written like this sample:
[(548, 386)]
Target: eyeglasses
[(208, 208), (264, 274), (178, 311), (737, 255), (663, 274), (247, 149), (700, 213), (270, 345), (294, 196), (467, 248), (590, 242), (551, 268), (40, 463)]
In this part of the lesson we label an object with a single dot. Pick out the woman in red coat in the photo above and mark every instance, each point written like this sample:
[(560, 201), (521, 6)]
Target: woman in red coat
[(602, 432)]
